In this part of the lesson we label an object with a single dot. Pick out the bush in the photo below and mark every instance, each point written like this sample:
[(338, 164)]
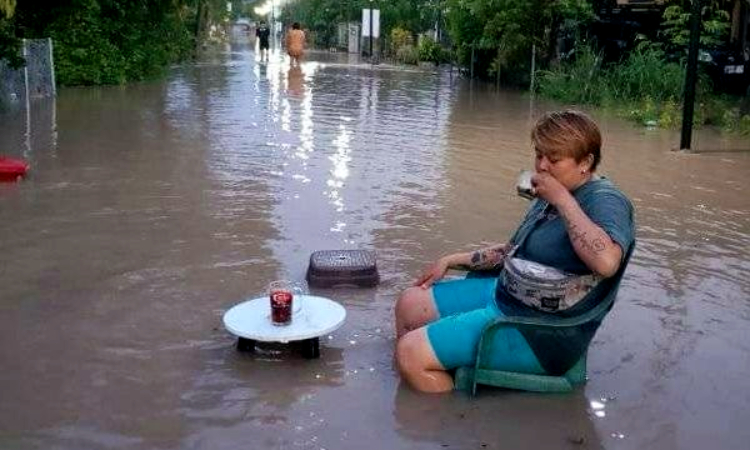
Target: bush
[(10, 45), (430, 51), (111, 42), (645, 73), (399, 39), (578, 80), (743, 125), (407, 55)]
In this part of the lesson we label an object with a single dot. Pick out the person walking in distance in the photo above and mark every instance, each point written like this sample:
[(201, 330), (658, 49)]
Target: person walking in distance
[(295, 44), (262, 33)]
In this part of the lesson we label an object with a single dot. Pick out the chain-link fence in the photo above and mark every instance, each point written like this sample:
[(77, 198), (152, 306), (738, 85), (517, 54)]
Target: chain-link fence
[(36, 79)]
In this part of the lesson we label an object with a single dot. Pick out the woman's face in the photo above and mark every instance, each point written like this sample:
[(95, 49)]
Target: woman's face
[(564, 169)]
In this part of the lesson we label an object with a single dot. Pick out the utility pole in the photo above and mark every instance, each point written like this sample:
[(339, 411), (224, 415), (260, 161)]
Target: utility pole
[(691, 76)]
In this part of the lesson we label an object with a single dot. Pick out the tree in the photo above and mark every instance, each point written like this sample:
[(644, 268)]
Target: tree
[(9, 44), (116, 41), (714, 22), (506, 27), (322, 16)]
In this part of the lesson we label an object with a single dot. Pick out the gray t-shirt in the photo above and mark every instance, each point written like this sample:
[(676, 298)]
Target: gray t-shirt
[(547, 242)]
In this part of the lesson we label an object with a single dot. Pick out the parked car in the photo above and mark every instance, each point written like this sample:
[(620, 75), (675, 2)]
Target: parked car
[(729, 70)]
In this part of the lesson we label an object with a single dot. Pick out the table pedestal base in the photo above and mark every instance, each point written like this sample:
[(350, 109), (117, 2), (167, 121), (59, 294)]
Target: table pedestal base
[(309, 348), (245, 345)]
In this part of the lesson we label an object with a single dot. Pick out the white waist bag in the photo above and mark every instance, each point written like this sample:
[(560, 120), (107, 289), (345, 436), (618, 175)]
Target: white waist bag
[(545, 288)]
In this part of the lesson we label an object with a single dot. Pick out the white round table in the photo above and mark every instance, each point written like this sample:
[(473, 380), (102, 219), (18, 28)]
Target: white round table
[(312, 317)]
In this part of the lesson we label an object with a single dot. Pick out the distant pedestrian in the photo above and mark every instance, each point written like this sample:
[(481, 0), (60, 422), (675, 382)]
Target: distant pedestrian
[(263, 34), (295, 44)]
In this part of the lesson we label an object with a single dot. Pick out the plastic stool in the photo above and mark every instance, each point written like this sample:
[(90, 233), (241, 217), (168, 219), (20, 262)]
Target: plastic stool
[(330, 268)]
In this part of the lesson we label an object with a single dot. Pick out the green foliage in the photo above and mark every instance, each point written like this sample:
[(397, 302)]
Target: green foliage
[(644, 73), (7, 8), (82, 56), (10, 45), (407, 54), (318, 17), (742, 126), (676, 25), (400, 38), (670, 115), (645, 88), (100, 45), (322, 16), (430, 51), (512, 26), (643, 111), (113, 42), (636, 82), (579, 80)]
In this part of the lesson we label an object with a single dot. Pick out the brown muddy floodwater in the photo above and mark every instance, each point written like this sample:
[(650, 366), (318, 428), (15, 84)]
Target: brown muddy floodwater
[(155, 207)]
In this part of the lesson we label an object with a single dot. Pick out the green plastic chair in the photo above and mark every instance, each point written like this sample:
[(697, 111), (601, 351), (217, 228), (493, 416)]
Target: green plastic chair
[(467, 378)]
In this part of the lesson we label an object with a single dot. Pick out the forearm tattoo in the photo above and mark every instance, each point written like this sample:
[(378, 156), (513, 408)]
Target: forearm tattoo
[(595, 245), (488, 258)]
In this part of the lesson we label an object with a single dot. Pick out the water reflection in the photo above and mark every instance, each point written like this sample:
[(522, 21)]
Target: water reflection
[(316, 145), (295, 81), (518, 420), (271, 378)]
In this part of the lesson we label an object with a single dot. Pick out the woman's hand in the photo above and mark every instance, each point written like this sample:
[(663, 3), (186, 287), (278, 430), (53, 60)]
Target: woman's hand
[(548, 188), (433, 273)]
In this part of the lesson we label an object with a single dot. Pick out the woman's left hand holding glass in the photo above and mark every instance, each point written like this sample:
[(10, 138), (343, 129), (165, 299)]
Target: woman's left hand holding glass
[(548, 188)]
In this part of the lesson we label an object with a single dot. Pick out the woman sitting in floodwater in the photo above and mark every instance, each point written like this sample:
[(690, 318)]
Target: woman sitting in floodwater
[(580, 224)]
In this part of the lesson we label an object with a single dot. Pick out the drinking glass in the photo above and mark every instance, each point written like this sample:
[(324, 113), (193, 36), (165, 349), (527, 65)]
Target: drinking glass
[(523, 185), (281, 295)]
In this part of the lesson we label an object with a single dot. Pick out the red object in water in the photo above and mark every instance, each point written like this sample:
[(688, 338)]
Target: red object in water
[(11, 169)]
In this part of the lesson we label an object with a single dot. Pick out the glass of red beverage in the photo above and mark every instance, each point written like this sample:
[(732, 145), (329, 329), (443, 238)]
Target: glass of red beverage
[(281, 294)]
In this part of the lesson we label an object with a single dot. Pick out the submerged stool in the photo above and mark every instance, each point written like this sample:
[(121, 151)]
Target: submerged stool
[(330, 268)]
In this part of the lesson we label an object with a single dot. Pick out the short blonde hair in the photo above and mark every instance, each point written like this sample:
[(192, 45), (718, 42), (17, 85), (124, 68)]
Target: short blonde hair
[(568, 133)]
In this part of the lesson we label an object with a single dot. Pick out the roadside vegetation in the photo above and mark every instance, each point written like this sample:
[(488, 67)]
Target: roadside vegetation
[(109, 41), (646, 85), (115, 42), (644, 88), (495, 40)]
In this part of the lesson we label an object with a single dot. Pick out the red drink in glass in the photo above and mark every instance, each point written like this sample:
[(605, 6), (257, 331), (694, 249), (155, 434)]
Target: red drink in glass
[(281, 303)]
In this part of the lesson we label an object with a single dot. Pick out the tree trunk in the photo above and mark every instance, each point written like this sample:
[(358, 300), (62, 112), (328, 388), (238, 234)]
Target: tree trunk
[(201, 24), (553, 56)]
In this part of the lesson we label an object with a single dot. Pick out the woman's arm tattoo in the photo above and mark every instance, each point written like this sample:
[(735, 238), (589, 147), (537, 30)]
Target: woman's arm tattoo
[(595, 245), (487, 258)]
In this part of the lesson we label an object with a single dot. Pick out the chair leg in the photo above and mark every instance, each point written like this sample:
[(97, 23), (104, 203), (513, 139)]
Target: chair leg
[(577, 374), (464, 380)]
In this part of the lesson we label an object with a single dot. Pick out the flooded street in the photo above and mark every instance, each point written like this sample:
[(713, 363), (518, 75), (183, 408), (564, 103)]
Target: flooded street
[(153, 208)]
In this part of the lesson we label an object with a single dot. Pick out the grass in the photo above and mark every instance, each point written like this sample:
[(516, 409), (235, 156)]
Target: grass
[(644, 88)]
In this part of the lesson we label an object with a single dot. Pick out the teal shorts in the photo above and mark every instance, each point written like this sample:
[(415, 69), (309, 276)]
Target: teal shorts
[(465, 307)]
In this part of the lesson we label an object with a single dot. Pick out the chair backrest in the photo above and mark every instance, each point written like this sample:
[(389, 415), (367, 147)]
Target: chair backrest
[(609, 300)]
